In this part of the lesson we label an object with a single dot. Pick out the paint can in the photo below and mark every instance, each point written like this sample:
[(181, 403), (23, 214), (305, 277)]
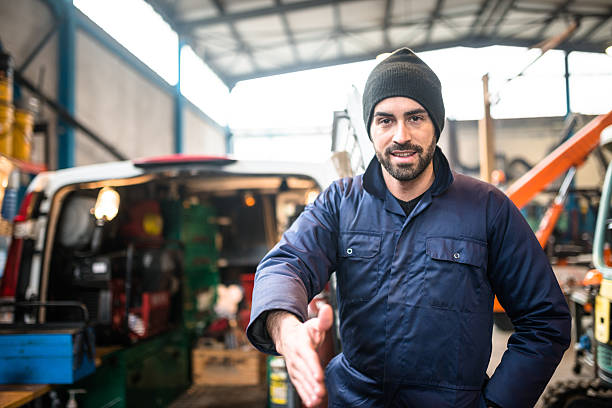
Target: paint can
[(281, 392)]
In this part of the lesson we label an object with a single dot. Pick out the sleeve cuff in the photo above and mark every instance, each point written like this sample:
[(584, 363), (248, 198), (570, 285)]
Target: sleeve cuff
[(274, 292)]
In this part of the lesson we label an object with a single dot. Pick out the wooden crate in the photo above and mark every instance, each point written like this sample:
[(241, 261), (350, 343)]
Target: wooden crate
[(227, 367)]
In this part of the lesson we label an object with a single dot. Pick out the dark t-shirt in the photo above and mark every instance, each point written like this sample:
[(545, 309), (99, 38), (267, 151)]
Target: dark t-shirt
[(408, 206)]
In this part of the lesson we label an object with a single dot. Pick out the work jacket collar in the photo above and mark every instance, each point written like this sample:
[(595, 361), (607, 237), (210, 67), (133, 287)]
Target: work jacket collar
[(374, 183)]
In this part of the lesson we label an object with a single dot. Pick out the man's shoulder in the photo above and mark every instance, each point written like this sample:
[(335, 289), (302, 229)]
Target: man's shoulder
[(479, 194), (347, 185), (477, 187)]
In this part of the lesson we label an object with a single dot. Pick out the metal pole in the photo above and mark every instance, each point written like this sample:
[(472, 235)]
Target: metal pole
[(39, 46), (568, 107), (66, 89), (485, 136), (178, 105)]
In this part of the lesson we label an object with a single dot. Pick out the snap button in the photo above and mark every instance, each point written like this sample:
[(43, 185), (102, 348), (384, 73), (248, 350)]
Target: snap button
[(456, 255), (349, 251)]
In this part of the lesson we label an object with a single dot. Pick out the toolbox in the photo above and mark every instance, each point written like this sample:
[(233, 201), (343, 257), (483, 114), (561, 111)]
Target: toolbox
[(46, 353)]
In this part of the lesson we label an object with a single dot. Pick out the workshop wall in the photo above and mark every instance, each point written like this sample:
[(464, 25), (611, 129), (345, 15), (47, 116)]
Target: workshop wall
[(200, 135), (127, 110), (131, 111), (531, 139)]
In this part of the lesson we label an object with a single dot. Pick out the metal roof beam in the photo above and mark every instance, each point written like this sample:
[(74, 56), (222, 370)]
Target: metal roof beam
[(387, 23), (596, 27), (476, 42), (243, 45), (435, 14), (485, 24), (289, 33), (161, 9), (502, 16), (323, 36), (339, 30), (479, 15), (168, 16), (260, 12), (553, 16)]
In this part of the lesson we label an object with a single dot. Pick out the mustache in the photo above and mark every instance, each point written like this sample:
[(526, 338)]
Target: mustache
[(404, 146)]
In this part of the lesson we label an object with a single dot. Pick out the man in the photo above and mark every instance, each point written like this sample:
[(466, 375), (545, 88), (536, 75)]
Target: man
[(419, 253)]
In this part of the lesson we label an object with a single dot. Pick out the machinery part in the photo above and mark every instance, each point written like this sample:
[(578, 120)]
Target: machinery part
[(571, 153), (502, 321), (548, 222), (578, 394), (603, 305), (52, 304), (349, 135)]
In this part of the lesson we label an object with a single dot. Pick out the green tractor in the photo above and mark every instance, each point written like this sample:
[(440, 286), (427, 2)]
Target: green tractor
[(591, 306)]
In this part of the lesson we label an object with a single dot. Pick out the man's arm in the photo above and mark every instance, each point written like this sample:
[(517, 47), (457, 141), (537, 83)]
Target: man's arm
[(297, 268), (526, 287), (288, 277)]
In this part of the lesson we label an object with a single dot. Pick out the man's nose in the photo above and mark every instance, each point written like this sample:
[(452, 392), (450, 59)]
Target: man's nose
[(402, 133)]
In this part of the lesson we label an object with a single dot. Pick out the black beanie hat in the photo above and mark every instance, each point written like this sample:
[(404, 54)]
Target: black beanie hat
[(404, 74)]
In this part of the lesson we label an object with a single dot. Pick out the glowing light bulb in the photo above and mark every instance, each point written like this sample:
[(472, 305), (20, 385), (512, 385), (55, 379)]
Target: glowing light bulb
[(107, 204)]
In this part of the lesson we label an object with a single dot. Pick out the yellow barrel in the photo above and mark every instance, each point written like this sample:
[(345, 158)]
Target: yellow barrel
[(23, 127), (6, 134)]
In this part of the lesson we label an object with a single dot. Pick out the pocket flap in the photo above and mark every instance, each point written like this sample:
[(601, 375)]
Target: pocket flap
[(457, 250), (359, 244)]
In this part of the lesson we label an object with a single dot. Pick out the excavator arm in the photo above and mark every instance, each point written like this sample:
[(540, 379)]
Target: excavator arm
[(572, 153), (565, 158)]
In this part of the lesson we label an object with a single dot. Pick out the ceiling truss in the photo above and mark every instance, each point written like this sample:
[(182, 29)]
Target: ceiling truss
[(304, 34)]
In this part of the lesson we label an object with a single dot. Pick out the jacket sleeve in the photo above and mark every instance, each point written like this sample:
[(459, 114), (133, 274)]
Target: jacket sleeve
[(297, 268), (526, 287)]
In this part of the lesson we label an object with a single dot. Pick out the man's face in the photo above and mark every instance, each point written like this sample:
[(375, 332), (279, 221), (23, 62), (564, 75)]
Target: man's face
[(404, 137)]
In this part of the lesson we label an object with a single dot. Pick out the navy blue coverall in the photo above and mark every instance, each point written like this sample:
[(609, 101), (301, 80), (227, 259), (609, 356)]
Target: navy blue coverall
[(416, 293)]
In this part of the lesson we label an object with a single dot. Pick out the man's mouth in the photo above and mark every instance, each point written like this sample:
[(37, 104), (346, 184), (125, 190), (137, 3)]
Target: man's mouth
[(403, 153)]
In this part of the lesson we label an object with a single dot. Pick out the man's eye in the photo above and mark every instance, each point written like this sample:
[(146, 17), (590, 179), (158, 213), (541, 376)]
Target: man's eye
[(416, 118), (384, 121)]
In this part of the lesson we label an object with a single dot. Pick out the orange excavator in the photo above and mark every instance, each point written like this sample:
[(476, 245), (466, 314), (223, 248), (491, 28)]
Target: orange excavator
[(564, 159)]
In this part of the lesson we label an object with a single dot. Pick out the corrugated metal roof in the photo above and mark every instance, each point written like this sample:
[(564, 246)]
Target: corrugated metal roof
[(245, 39)]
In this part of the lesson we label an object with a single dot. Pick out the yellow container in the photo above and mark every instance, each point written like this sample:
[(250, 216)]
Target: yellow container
[(6, 134), (23, 127), (6, 89)]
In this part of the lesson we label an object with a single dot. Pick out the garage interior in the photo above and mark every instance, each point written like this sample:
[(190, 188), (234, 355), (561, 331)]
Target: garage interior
[(208, 126)]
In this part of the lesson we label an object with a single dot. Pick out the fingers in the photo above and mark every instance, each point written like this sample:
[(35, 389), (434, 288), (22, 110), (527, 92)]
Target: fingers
[(298, 345), (310, 389), (303, 365)]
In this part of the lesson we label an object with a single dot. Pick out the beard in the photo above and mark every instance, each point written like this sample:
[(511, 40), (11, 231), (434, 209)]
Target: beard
[(407, 171)]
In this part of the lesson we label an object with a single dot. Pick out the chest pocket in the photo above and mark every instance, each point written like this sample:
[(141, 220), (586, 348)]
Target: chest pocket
[(358, 265), (456, 273)]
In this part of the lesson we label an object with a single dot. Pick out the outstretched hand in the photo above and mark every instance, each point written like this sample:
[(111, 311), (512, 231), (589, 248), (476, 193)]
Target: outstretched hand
[(297, 342)]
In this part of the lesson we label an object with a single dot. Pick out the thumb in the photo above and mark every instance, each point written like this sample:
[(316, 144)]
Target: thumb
[(325, 318), (319, 325)]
